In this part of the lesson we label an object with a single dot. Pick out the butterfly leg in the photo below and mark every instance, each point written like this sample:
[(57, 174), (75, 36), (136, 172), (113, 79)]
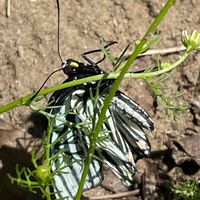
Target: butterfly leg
[(85, 55), (122, 54)]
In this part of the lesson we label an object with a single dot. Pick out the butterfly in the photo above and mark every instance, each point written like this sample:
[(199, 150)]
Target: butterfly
[(121, 142)]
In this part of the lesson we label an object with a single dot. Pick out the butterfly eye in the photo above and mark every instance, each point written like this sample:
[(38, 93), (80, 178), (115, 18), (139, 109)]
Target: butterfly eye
[(73, 64)]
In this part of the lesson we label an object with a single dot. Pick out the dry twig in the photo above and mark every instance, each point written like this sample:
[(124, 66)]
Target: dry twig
[(8, 8), (115, 196), (163, 51)]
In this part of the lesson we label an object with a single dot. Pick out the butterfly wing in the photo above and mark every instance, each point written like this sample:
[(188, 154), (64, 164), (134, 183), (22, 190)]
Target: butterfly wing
[(73, 145), (126, 107), (130, 119)]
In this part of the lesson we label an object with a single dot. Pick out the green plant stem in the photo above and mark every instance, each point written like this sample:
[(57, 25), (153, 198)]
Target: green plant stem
[(21, 181), (23, 100), (48, 143), (94, 134), (47, 193), (47, 157)]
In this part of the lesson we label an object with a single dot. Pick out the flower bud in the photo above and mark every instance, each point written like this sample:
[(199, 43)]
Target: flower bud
[(191, 40), (43, 172)]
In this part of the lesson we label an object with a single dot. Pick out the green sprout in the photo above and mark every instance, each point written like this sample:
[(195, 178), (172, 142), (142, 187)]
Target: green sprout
[(187, 191)]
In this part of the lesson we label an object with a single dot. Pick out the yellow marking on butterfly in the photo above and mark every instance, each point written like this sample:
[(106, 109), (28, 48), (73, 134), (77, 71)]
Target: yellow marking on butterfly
[(74, 64)]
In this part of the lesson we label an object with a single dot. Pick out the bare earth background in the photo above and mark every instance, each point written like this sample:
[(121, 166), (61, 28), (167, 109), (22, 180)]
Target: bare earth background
[(28, 53)]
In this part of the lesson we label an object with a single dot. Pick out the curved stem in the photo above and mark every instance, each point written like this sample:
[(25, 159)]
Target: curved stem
[(113, 75)]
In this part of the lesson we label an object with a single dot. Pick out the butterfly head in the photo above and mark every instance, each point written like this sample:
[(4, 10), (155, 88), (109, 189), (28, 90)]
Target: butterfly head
[(70, 66)]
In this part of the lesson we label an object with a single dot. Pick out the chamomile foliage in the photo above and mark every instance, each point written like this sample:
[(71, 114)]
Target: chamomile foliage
[(188, 190)]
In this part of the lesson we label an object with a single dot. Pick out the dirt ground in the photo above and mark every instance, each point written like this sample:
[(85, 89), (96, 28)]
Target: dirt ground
[(28, 54)]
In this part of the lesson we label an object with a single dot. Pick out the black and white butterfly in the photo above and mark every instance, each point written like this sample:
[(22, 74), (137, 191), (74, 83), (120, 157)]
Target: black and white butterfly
[(121, 142)]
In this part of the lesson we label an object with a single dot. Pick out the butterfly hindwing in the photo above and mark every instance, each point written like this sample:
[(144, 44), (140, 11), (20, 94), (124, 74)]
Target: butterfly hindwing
[(130, 119), (126, 107)]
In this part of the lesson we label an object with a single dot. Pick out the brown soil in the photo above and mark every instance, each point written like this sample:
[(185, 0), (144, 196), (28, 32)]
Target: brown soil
[(28, 54)]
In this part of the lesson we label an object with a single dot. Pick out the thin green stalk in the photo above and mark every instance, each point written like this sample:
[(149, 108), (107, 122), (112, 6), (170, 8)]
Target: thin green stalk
[(113, 75), (48, 143), (94, 134), (48, 193), (47, 160)]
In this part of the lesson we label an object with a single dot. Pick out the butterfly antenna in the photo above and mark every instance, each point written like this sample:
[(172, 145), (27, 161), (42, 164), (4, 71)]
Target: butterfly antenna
[(59, 54), (33, 97), (58, 33)]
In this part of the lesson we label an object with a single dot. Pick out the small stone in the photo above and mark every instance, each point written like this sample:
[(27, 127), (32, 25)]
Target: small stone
[(20, 51)]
